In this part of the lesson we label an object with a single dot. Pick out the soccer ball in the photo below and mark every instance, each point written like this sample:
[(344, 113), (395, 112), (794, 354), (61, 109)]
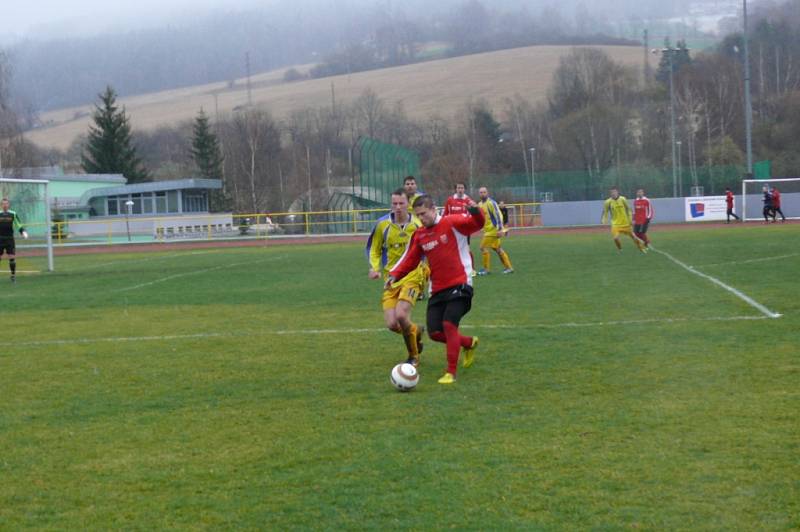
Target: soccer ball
[(404, 377)]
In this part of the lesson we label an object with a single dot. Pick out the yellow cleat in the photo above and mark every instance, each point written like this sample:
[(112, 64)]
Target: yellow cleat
[(447, 378), (469, 353)]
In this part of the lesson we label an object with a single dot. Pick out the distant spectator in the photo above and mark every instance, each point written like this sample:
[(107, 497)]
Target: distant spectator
[(729, 202), (503, 212)]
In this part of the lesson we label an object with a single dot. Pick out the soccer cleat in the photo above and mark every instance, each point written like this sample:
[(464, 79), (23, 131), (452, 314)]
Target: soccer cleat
[(413, 361), (447, 378), (420, 334), (508, 270), (483, 272), (13, 278), (643, 249), (473, 273), (469, 353)]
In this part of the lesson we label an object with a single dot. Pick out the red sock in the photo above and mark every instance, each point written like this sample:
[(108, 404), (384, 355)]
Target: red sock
[(438, 336), (454, 344)]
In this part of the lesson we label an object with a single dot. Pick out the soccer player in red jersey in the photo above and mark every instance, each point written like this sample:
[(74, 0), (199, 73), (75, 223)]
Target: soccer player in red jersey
[(457, 204), (776, 204), (642, 215), (729, 203), (443, 241)]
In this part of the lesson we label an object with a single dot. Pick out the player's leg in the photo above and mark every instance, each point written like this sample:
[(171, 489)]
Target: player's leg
[(638, 241), (410, 331), (10, 250), (453, 312), (643, 236), (615, 236), (778, 210), (486, 245), (504, 258)]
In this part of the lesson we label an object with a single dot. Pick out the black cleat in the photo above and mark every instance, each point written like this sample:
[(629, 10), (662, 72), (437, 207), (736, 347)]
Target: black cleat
[(413, 361), (13, 278), (420, 334)]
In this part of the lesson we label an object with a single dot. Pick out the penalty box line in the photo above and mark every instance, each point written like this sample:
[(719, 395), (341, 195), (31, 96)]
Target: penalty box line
[(304, 332), (738, 293)]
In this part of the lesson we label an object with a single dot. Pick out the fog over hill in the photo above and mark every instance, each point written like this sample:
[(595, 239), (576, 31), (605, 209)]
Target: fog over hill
[(63, 56)]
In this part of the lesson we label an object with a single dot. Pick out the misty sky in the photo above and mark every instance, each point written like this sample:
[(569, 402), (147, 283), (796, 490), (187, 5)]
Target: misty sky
[(59, 18)]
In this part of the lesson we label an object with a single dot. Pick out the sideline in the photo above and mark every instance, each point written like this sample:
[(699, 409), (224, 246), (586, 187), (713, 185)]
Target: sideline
[(749, 261)]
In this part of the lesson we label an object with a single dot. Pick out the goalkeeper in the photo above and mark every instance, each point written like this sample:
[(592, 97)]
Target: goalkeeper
[(8, 222)]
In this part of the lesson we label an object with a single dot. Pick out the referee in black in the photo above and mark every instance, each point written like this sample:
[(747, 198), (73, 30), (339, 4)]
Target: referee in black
[(8, 222)]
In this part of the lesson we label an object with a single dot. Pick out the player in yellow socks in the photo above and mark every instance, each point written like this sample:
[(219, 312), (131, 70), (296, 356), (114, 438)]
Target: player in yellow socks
[(385, 246), (617, 209), (493, 231)]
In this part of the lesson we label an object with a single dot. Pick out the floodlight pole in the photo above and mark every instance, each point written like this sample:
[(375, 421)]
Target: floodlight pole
[(533, 173), (128, 212), (748, 105), (669, 52), (680, 168)]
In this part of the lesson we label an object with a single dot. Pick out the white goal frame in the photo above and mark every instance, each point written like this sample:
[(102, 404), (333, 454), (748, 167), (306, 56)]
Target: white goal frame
[(48, 217), (763, 182)]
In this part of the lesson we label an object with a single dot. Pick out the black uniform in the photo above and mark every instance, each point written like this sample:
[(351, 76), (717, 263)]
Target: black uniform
[(769, 207), (8, 221)]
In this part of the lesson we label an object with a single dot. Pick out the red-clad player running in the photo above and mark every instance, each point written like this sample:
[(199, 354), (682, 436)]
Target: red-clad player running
[(729, 205), (642, 214), (443, 241), (776, 204), (457, 204)]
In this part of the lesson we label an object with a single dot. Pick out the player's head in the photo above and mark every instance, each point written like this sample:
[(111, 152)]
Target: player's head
[(640, 193), (425, 210), (460, 189), (483, 192), (400, 203), (775, 189), (4, 204), (765, 188), (727, 189), (614, 192), (410, 185)]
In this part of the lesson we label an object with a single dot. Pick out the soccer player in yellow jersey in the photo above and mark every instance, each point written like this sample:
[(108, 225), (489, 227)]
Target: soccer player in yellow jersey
[(616, 207), (412, 193), (386, 244), (493, 231)]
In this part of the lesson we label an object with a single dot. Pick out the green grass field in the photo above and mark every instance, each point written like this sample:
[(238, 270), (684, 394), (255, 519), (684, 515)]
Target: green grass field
[(248, 388)]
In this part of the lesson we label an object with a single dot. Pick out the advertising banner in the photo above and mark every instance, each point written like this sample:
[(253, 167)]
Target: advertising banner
[(706, 208)]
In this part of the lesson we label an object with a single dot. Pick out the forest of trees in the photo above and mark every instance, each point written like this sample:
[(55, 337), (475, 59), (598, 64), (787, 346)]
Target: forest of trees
[(599, 116)]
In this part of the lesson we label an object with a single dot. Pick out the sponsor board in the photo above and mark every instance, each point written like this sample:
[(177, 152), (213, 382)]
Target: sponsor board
[(706, 208)]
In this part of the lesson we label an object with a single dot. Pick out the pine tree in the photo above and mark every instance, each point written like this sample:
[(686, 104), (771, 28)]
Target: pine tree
[(680, 58), (109, 149), (208, 158)]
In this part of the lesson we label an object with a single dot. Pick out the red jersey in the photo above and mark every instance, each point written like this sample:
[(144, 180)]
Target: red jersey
[(446, 248), (776, 198), (456, 205), (729, 199), (642, 211)]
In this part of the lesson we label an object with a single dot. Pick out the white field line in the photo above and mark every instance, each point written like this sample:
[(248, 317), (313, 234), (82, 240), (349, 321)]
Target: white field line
[(197, 272), (312, 332), (133, 261), (747, 299), (749, 261)]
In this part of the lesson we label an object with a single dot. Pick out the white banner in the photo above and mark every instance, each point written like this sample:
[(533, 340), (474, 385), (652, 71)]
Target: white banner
[(703, 208)]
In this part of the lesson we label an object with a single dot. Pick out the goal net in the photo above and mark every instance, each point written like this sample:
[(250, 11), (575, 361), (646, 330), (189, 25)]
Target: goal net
[(29, 199), (753, 198)]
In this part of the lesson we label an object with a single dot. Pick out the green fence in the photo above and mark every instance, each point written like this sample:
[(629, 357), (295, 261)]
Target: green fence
[(580, 185), (380, 168)]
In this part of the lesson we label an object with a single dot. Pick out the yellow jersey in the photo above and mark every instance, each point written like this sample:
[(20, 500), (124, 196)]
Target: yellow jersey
[(411, 201), (619, 210), (388, 242), (493, 226)]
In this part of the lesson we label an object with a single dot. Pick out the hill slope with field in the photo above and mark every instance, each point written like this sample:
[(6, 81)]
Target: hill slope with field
[(425, 89)]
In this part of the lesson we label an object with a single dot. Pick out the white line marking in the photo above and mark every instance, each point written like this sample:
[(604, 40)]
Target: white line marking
[(747, 299), (295, 332), (196, 272), (765, 259)]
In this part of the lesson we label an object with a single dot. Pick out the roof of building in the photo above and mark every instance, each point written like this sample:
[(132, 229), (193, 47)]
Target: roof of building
[(150, 186)]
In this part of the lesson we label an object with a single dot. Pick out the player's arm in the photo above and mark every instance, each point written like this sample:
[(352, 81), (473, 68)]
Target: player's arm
[(446, 209), (407, 262), (498, 216), (605, 212), (375, 252), (628, 212), (473, 222), (650, 211), (18, 224)]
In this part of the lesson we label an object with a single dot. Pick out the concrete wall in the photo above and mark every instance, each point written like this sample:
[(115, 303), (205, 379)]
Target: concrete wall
[(668, 210)]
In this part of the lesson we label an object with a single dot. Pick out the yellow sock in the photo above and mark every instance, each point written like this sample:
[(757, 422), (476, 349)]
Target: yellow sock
[(410, 337), (486, 258), (506, 261)]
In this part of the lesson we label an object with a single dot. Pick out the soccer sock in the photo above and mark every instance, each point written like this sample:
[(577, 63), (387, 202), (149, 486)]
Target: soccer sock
[(12, 264), (438, 336), (618, 244), (505, 260), (454, 343), (410, 337), (486, 259)]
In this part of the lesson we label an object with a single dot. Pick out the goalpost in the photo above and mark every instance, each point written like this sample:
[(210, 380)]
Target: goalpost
[(789, 189), (30, 199)]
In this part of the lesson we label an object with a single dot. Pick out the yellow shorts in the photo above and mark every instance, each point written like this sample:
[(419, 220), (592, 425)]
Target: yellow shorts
[(491, 242), (621, 230), (408, 291)]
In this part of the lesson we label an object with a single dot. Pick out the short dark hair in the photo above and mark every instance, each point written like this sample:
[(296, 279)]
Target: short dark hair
[(409, 178), (459, 183), (614, 188), (423, 201), (399, 192)]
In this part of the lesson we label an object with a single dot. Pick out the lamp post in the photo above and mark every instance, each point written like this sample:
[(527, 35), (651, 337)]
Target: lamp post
[(128, 212), (748, 105), (533, 173), (680, 168), (670, 51)]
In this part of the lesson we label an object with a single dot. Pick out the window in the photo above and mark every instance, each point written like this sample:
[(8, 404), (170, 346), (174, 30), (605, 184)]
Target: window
[(147, 203), (194, 201), (113, 206), (137, 203), (172, 201), (161, 202)]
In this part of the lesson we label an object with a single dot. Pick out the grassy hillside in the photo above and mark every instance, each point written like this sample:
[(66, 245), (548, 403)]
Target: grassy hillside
[(440, 86)]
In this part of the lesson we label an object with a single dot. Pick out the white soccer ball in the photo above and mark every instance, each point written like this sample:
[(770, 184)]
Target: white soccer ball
[(404, 377)]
